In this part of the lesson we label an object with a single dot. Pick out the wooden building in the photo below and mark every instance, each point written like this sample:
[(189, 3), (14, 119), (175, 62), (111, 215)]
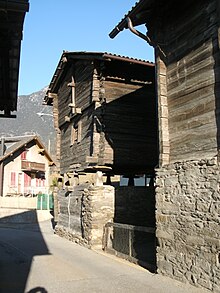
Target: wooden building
[(105, 113), (186, 39), (25, 166), (12, 14)]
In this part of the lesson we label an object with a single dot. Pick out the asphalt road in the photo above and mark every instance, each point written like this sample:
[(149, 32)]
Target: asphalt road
[(34, 260)]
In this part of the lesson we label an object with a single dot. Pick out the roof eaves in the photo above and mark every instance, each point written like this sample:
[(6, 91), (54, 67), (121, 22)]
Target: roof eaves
[(56, 76), (131, 14), (128, 59), (106, 55), (21, 143), (67, 55), (15, 5)]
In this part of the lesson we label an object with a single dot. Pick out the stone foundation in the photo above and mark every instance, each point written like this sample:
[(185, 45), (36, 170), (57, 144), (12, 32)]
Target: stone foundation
[(97, 210), (188, 222), (84, 213)]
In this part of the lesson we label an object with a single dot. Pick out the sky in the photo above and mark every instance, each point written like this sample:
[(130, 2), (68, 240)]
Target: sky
[(52, 26)]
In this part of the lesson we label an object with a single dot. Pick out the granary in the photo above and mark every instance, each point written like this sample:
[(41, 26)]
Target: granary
[(186, 39), (106, 121), (12, 14), (105, 114), (25, 166)]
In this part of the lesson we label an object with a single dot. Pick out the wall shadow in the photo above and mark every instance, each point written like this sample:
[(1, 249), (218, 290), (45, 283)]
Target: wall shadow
[(130, 127), (17, 251), (134, 238)]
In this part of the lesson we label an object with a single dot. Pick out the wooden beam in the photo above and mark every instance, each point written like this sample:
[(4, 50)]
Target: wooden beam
[(90, 159), (67, 119), (52, 95), (6, 115)]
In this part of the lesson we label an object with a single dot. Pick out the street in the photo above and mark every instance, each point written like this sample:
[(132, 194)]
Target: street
[(35, 260)]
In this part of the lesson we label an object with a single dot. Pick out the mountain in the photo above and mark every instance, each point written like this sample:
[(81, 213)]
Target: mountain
[(29, 122)]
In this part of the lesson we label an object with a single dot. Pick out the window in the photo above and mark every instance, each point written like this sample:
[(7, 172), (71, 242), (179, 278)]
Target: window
[(137, 180), (24, 155), (13, 179), (27, 180), (76, 131)]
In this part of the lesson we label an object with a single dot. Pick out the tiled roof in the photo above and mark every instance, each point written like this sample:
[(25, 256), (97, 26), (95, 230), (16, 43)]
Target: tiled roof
[(16, 143), (129, 58), (102, 56)]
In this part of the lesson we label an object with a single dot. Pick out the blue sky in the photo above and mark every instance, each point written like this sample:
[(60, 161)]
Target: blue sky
[(52, 26)]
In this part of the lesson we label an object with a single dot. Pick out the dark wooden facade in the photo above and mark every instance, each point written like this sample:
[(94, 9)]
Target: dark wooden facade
[(186, 40), (12, 13), (105, 113)]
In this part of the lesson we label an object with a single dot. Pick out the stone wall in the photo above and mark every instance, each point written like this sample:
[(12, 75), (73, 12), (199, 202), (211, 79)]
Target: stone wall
[(97, 210), (84, 213), (188, 222), (135, 205), (18, 202)]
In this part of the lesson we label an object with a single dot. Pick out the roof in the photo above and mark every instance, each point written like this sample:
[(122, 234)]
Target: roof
[(102, 56), (138, 14), (12, 13), (17, 143)]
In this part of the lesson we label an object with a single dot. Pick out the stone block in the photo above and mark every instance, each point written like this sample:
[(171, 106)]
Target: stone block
[(164, 234), (169, 208), (171, 181), (165, 268), (206, 283), (194, 240), (161, 218), (213, 242)]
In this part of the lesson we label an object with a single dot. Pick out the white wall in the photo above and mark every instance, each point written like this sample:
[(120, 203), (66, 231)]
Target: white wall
[(15, 166)]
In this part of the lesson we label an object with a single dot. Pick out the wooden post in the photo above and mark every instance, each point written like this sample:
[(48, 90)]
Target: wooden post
[(99, 179), (73, 100), (164, 143), (2, 167), (55, 205)]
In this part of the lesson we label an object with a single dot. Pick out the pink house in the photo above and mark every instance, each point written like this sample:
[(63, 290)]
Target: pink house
[(24, 166)]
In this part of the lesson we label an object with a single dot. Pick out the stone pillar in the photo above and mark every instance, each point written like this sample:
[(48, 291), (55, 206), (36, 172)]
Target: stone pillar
[(99, 178), (97, 210)]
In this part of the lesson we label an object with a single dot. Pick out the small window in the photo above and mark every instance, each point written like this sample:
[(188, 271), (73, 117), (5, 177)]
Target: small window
[(76, 133), (24, 155), (27, 180), (137, 180), (13, 179)]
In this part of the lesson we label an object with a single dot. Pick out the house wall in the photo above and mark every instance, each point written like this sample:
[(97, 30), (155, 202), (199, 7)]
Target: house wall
[(15, 166), (111, 132), (187, 219), (191, 81), (187, 182), (130, 139), (187, 76), (73, 155)]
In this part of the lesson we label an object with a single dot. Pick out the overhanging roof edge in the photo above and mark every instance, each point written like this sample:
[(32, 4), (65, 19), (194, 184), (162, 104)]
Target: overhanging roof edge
[(93, 55), (123, 23), (13, 5)]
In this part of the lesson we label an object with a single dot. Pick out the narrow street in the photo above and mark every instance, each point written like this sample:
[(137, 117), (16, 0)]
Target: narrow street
[(34, 260)]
